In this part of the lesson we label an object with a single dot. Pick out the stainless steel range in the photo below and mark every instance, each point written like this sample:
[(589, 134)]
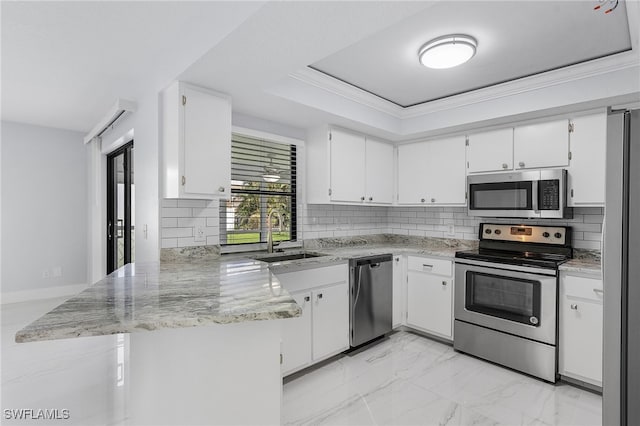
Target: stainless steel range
[(506, 296)]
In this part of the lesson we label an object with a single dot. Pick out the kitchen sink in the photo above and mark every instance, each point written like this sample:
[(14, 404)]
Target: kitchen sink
[(285, 257)]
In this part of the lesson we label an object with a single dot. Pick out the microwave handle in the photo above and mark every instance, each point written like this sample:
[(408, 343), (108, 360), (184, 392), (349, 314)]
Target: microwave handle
[(534, 196)]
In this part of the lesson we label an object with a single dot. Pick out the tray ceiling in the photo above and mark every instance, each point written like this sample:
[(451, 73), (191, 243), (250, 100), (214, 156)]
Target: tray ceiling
[(515, 40)]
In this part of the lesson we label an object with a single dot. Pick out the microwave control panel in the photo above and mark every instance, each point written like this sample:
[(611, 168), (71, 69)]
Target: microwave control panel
[(549, 194)]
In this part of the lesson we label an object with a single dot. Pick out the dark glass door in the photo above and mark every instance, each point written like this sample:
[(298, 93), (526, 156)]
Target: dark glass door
[(509, 298), (120, 212), (501, 196)]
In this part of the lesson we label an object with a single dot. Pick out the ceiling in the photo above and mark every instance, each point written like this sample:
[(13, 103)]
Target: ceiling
[(65, 63), (515, 40)]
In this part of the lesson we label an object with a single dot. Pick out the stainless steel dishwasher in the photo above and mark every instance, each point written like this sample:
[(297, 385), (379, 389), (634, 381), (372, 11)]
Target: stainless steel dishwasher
[(371, 293)]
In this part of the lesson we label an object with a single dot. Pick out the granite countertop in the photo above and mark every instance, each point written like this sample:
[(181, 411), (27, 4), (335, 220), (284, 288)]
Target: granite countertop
[(148, 296), (584, 261)]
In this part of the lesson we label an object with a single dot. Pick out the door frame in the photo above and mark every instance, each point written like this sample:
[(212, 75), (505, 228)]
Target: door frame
[(111, 240)]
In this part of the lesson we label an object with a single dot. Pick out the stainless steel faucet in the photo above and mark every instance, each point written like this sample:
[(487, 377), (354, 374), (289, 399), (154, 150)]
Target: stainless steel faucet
[(270, 232)]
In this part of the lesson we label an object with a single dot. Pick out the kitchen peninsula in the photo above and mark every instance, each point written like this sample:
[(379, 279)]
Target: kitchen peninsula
[(202, 344)]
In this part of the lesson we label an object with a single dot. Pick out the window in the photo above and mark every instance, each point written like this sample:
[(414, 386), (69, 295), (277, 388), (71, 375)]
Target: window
[(263, 189)]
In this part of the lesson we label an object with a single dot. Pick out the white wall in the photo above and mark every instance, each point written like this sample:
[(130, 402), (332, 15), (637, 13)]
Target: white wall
[(141, 126), (43, 211)]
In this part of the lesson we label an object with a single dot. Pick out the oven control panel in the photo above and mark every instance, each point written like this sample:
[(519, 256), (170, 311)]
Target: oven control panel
[(524, 233)]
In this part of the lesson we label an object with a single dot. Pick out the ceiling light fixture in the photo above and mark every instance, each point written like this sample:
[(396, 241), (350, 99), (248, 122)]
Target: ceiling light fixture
[(447, 51)]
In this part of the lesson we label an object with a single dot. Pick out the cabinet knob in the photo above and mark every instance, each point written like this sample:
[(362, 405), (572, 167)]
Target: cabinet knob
[(361, 198), (307, 298), (574, 306), (422, 200), (505, 166), (433, 200), (221, 189), (444, 283), (370, 198), (319, 296), (521, 164)]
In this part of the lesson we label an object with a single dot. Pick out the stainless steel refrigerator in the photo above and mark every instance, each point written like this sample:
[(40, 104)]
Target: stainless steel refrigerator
[(621, 262)]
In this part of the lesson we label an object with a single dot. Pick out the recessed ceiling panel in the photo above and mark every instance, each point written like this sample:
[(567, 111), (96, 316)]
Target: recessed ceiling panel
[(515, 39)]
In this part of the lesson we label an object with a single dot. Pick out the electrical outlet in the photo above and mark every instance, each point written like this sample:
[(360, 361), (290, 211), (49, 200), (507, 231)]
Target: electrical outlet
[(46, 274), (57, 271), (200, 234), (451, 231)]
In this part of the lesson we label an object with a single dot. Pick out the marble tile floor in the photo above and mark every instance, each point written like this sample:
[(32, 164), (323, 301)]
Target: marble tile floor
[(411, 380), (404, 380)]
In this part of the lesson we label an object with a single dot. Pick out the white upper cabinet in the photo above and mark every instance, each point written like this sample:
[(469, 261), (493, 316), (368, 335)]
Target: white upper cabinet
[(347, 163), (347, 167), (196, 142), (412, 173), (432, 172), (379, 172), (490, 151), (587, 143), (541, 145)]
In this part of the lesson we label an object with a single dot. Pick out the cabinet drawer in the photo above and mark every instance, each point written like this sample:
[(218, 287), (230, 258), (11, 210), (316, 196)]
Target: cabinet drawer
[(430, 265), (582, 287)]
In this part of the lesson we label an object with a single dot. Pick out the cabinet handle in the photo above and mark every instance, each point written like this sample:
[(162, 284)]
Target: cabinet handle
[(505, 166), (184, 180), (433, 200), (444, 283), (571, 192), (221, 189), (424, 265), (307, 298), (422, 200), (319, 296), (521, 164), (574, 306), (599, 291)]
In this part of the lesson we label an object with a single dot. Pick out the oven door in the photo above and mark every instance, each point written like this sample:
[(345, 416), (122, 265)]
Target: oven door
[(520, 302)]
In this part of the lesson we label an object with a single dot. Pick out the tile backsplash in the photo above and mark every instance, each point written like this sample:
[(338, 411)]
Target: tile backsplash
[(324, 221), (180, 218)]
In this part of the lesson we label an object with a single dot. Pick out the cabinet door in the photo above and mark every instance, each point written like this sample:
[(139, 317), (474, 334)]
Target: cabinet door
[(541, 145), (206, 143), (587, 143), (347, 166), (429, 300), (446, 177), (490, 151), (330, 320), (296, 336), (412, 167), (399, 290), (379, 172), (580, 342)]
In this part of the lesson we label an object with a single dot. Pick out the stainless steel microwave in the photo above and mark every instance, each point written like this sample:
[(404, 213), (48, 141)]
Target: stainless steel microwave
[(527, 194)]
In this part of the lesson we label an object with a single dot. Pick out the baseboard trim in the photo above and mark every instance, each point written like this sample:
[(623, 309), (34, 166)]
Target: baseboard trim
[(41, 293)]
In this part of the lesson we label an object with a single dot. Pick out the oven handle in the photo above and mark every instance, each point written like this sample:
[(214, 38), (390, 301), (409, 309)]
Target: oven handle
[(507, 267)]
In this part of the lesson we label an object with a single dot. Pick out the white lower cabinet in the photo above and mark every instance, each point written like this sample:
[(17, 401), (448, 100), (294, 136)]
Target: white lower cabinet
[(323, 329), (580, 343), (399, 291), (296, 335), (430, 295)]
